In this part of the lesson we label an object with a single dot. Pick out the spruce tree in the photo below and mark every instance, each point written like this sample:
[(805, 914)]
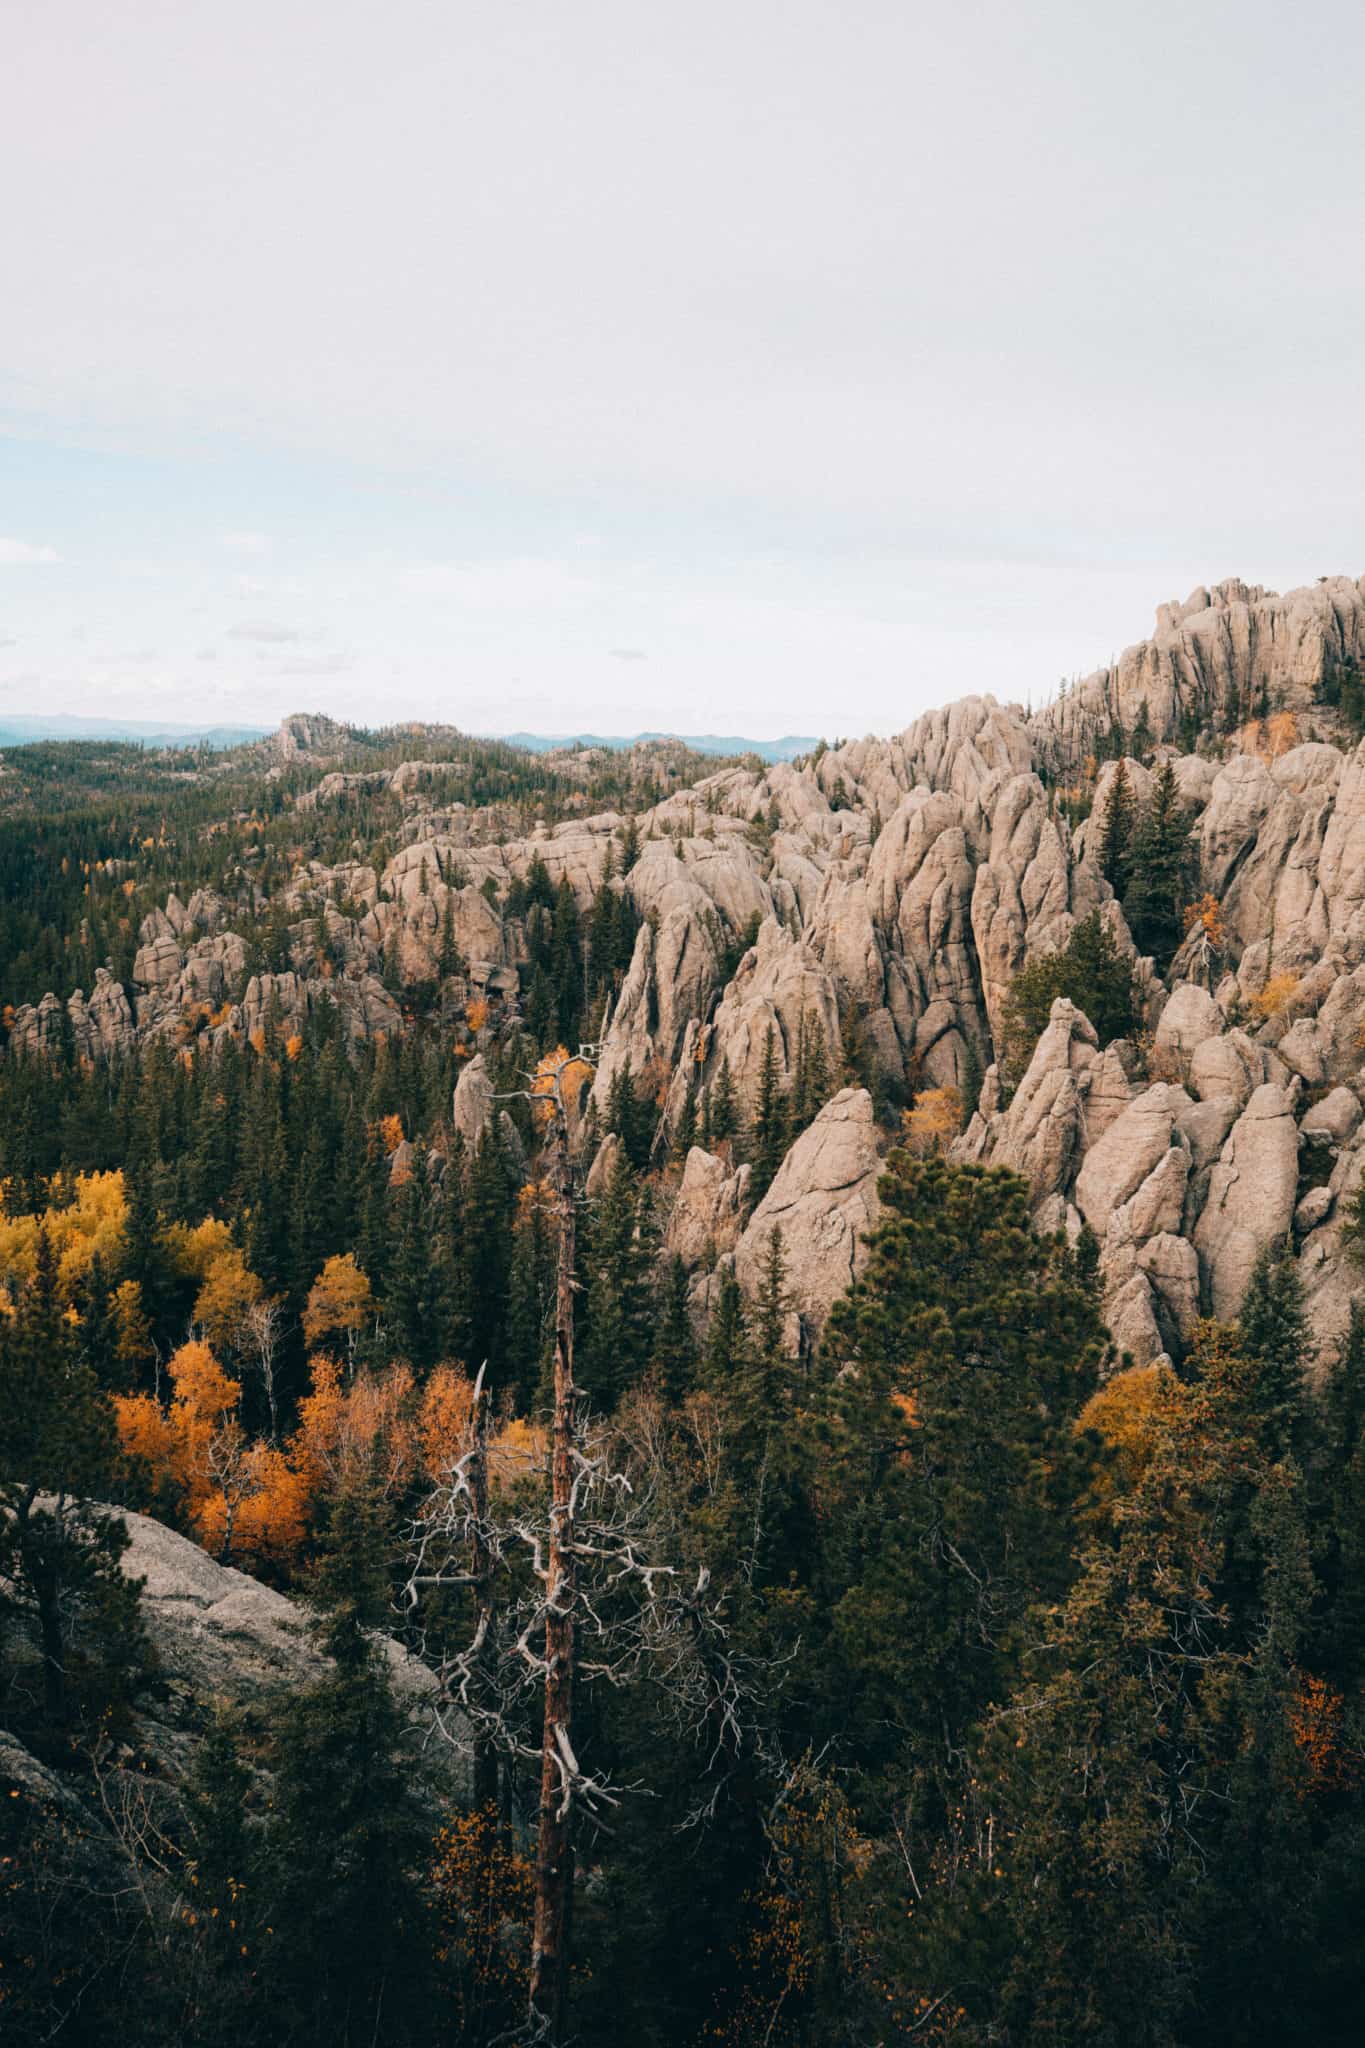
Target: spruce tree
[(1277, 1340), (1160, 874), (685, 1135), (1116, 829), (449, 961), (345, 1961), (675, 1343), (771, 1123), (616, 1318), (722, 1110), (59, 1550)]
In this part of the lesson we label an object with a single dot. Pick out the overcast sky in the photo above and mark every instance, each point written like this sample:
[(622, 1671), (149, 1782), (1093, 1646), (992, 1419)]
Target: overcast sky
[(781, 365)]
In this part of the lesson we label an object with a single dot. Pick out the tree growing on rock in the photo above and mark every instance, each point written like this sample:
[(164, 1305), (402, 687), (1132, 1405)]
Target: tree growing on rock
[(1116, 824), (1089, 971)]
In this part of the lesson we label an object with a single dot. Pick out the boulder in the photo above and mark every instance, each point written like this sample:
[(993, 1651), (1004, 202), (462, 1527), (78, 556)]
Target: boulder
[(1336, 1117), (1190, 1016)]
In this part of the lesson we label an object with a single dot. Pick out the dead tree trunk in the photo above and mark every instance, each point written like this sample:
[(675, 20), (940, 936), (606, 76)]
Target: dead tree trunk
[(481, 1565), (554, 1845)]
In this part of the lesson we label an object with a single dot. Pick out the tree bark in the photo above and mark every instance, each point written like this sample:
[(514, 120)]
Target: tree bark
[(554, 1845), (481, 1572)]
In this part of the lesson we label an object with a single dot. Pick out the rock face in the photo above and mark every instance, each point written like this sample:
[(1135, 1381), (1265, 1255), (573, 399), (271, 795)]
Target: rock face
[(473, 1103), (1251, 1196), (869, 908), (220, 1639), (823, 1199), (708, 1210)]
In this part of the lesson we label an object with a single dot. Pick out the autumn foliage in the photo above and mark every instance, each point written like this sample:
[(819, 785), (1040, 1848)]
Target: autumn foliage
[(933, 1122), (249, 1498)]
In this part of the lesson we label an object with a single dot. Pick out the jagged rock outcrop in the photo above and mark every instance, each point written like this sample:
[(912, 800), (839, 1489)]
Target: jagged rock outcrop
[(1042, 1133), (1212, 660), (1251, 1196), (220, 1639), (708, 1209), (897, 886), (823, 1200), (473, 1102), (780, 986), (1116, 1170)]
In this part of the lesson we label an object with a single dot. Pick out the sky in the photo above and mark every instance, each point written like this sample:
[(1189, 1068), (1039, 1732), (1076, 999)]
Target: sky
[(767, 367)]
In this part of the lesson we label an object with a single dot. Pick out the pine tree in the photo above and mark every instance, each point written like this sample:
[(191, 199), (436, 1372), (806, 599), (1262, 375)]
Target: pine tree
[(485, 1256), (726, 1353), (59, 1551), (1160, 870), (615, 1336), (1116, 829), (675, 1344), (222, 1858), (530, 1304), (629, 1117), (1142, 732), (771, 1123), (1090, 971), (1338, 1642), (958, 1363), (685, 1135), (449, 961), (722, 1111), (1277, 1340), (810, 1079), (566, 965), (410, 1297), (768, 1322), (345, 1961)]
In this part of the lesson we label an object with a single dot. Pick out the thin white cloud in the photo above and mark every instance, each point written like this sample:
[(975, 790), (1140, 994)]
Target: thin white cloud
[(267, 631), (315, 665), (25, 554), (247, 543), (503, 585), (628, 654), (267, 586)]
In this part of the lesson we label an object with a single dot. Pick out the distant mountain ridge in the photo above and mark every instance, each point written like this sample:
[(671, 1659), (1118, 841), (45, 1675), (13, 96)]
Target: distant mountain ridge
[(25, 730), (785, 749)]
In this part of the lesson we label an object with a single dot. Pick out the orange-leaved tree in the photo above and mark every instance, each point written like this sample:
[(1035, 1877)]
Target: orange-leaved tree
[(237, 1495), (340, 1304)]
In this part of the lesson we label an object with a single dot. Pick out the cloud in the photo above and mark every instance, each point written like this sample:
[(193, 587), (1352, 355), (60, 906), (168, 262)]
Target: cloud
[(9, 643), (505, 585), (314, 665), (267, 631), (24, 554), (247, 543), (267, 586), (628, 654)]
